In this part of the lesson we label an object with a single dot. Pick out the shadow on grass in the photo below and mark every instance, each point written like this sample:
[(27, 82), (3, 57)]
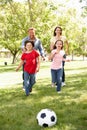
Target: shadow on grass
[(81, 68), (7, 68), (18, 112)]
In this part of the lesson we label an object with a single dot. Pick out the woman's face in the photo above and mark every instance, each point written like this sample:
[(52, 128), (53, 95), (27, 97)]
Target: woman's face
[(58, 31)]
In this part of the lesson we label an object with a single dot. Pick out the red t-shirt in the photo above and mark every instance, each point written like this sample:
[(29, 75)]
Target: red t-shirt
[(30, 61)]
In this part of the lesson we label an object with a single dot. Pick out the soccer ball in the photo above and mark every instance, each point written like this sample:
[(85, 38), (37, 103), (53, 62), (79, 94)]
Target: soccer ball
[(46, 118)]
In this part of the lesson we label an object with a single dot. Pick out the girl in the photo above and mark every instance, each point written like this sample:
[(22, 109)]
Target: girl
[(56, 67), (32, 64)]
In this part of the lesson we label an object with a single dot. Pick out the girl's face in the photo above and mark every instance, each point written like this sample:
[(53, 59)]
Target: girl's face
[(59, 45), (29, 46)]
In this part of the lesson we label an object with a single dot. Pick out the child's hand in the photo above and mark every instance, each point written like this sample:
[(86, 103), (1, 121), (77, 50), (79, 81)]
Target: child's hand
[(55, 53), (68, 60), (17, 69), (37, 69)]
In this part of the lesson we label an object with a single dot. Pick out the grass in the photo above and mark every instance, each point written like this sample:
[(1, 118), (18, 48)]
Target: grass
[(18, 112)]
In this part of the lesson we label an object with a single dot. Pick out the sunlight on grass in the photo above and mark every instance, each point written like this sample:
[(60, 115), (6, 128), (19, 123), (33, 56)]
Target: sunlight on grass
[(68, 127), (69, 99), (48, 98), (18, 112)]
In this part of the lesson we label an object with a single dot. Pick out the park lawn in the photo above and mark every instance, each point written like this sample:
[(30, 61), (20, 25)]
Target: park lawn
[(18, 112)]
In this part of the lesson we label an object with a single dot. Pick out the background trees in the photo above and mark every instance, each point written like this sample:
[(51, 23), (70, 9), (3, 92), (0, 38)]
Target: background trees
[(16, 18)]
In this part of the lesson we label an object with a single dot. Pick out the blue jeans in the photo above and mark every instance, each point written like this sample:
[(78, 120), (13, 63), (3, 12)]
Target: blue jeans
[(29, 81), (57, 78), (63, 72)]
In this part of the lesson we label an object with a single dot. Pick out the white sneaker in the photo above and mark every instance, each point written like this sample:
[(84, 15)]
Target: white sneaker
[(58, 91), (23, 88), (63, 84), (53, 84)]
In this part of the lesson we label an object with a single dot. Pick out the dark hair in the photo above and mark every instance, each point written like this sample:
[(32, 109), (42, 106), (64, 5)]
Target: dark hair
[(54, 47), (55, 30), (29, 41)]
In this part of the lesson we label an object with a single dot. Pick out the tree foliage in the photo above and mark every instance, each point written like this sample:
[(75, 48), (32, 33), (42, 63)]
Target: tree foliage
[(16, 18)]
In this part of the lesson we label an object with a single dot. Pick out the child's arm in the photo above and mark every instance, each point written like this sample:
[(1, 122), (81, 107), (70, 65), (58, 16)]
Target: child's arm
[(51, 56), (21, 63), (66, 60), (38, 64)]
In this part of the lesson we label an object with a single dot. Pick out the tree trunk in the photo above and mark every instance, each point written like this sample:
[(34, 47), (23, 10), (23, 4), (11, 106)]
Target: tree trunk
[(13, 60), (30, 12), (83, 57), (72, 56)]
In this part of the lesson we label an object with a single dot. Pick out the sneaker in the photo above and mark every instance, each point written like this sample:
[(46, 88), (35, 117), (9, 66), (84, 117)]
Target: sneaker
[(53, 84), (23, 89), (63, 84), (58, 91)]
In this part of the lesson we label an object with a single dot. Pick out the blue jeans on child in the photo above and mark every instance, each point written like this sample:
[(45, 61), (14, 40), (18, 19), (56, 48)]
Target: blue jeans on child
[(29, 81), (57, 78)]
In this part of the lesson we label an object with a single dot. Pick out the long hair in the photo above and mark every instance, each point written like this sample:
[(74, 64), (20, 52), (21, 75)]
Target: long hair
[(54, 47), (55, 30)]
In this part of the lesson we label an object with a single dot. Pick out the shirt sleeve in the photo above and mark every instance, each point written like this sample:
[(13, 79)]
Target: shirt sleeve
[(23, 56), (64, 39), (62, 52), (37, 54), (40, 48), (53, 52)]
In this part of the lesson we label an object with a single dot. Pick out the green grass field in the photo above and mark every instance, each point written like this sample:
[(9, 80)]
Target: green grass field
[(18, 112)]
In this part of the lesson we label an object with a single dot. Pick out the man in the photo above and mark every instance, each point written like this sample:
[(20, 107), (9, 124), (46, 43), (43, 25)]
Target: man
[(37, 44)]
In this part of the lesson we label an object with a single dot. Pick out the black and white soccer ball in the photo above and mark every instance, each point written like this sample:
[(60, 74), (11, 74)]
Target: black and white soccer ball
[(46, 118)]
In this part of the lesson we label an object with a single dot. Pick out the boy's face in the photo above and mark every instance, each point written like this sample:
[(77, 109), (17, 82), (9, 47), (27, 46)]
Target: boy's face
[(29, 46)]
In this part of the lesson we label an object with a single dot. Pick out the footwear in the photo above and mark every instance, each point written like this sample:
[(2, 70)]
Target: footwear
[(63, 84), (27, 94), (53, 84), (31, 90), (23, 89), (58, 91)]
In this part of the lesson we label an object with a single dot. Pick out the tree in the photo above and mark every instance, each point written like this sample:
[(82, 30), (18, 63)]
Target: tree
[(12, 29), (44, 15)]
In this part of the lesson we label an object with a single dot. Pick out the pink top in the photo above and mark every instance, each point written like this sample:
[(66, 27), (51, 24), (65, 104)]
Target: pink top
[(57, 60)]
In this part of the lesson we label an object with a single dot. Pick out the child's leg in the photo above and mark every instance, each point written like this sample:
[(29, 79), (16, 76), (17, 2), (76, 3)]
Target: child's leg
[(32, 81), (26, 82), (53, 76), (59, 79), (63, 75)]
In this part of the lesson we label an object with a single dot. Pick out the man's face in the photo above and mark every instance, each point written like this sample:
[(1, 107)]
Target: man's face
[(31, 33)]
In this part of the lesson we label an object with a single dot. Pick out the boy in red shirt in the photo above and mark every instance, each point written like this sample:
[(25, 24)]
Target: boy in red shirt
[(32, 64)]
